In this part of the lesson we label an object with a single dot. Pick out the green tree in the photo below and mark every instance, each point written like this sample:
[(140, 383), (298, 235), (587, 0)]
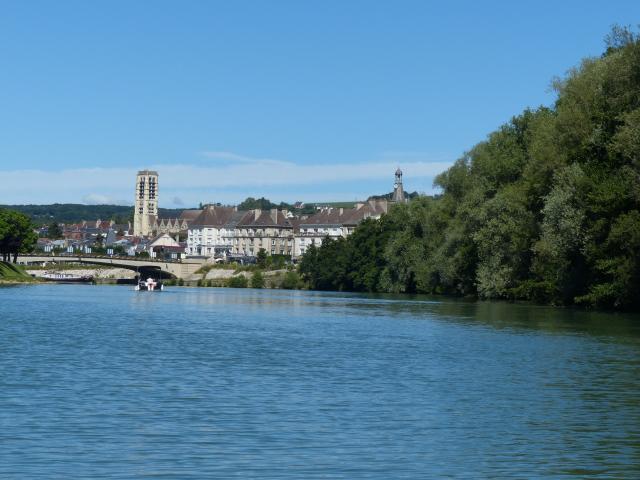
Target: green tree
[(291, 281), (257, 279), (17, 235), (54, 231), (261, 258), (546, 208)]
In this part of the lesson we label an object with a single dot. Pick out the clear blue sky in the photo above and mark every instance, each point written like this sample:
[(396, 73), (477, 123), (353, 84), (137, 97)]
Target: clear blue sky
[(289, 99)]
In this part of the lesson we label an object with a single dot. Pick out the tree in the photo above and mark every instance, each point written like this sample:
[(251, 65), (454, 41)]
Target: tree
[(257, 279), (252, 203), (16, 235), (291, 281), (261, 258), (547, 208), (54, 231)]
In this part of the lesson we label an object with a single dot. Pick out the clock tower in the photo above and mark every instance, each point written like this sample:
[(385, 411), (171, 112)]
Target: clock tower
[(398, 191)]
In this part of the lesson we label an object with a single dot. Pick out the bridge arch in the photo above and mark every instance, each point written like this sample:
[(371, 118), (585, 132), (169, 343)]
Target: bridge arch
[(166, 269)]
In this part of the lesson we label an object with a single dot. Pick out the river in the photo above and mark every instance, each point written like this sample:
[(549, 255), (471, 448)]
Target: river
[(104, 382)]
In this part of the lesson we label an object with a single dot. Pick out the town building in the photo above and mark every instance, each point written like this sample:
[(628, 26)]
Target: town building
[(210, 233), (271, 230), (334, 223), (218, 232), (145, 214), (221, 231), (176, 225), (165, 246)]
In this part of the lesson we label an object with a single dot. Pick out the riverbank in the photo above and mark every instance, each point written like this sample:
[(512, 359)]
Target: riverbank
[(242, 278), (97, 273), (13, 274)]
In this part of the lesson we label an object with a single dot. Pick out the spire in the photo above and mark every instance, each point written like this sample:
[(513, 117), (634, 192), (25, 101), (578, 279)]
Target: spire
[(398, 191)]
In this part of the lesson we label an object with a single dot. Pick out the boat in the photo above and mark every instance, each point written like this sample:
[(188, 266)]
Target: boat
[(149, 285), (65, 277)]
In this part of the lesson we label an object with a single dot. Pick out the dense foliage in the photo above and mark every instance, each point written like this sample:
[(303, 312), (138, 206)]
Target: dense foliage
[(546, 209), (16, 235)]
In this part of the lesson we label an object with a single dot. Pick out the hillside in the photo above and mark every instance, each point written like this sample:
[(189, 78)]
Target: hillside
[(75, 212)]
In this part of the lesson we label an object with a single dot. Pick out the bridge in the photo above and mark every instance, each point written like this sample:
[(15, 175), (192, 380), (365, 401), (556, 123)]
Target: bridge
[(147, 266)]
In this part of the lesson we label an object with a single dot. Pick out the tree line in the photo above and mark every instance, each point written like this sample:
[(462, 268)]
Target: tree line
[(546, 209), (76, 212)]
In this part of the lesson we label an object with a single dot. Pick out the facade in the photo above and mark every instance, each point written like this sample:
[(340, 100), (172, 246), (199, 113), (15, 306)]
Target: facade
[(271, 230), (220, 231), (146, 207), (211, 232)]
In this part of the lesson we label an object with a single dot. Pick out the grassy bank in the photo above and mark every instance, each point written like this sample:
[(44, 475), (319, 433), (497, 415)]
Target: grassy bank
[(11, 273)]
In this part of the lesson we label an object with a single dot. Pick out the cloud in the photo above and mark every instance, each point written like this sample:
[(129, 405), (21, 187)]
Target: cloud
[(230, 157), (99, 199), (233, 178)]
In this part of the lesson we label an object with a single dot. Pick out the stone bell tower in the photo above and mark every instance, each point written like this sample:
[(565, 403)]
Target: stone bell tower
[(398, 191), (146, 207)]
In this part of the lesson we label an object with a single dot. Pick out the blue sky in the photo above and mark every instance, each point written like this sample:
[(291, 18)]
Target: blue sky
[(293, 100)]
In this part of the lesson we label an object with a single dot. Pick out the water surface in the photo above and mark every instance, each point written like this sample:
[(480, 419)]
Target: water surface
[(105, 382)]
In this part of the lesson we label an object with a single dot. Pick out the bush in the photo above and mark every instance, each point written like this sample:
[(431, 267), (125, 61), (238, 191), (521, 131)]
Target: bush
[(239, 281), (291, 281), (257, 279)]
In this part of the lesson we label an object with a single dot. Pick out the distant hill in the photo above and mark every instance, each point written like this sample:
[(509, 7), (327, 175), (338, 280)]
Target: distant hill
[(76, 212)]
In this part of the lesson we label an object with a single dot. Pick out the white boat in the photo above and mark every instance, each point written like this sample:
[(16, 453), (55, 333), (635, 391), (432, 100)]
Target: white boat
[(149, 285), (64, 277)]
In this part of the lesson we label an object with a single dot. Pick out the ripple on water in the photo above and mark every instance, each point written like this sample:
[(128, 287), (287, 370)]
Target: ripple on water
[(103, 382)]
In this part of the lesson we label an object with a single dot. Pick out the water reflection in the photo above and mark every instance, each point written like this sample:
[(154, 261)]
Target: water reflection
[(498, 315)]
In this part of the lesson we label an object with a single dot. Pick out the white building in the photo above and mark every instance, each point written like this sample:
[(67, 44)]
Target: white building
[(334, 223), (211, 232)]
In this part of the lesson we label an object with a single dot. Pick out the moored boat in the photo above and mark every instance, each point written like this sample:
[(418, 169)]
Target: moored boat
[(65, 277)]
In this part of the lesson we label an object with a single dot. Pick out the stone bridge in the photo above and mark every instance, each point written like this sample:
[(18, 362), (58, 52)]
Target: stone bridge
[(175, 268)]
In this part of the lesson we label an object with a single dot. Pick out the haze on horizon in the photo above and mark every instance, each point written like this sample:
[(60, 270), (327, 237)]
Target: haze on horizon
[(286, 100)]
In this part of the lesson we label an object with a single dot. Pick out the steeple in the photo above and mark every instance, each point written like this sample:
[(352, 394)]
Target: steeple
[(398, 191)]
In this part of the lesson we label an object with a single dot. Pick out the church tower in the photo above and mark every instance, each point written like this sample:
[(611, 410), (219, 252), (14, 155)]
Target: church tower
[(398, 192), (146, 207)]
